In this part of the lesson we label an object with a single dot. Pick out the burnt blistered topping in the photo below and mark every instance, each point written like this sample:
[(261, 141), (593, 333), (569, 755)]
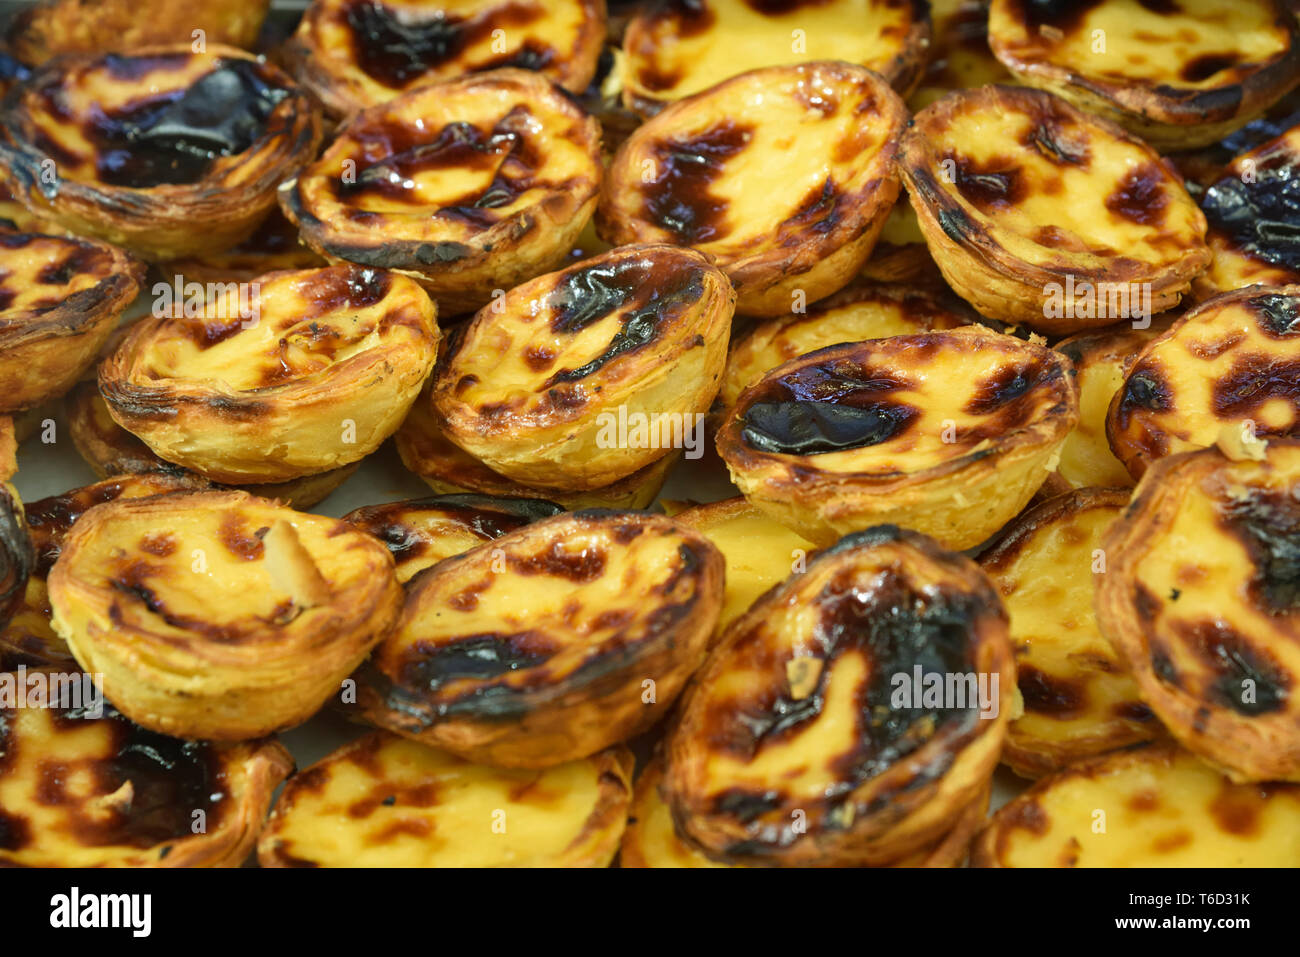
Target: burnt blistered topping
[(678, 198), (897, 628), (170, 779), (1246, 679), (825, 407), (1267, 523), (1140, 196), (646, 291), (1000, 390), (1063, 15), (173, 139), (1045, 138), (1260, 218), (1049, 694), (507, 151), (1279, 315), (429, 667), (989, 186), (1253, 381), (394, 49), (1145, 390), (487, 517)]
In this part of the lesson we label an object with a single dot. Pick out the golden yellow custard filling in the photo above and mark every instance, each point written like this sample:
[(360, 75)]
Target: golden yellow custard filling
[(959, 53), (1100, 360), (679, 48), (470, 185), (542, 384), (1153, 807), (759, 552), (1190, 44), (384, 801), (1079, 699)]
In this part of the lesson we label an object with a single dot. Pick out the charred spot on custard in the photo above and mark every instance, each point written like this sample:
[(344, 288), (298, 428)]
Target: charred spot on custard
[(481, 657), (678, 198), (1144, 390), (1279, 315), (989, 185), (170, 779), (1140, 196), (898, 630), (1267, 523), (1044, 693), (173, 138), (1253, 381), (827, 407), (506, 150), (394, 50), (647, 292), (1247, 679), (1259, 217)]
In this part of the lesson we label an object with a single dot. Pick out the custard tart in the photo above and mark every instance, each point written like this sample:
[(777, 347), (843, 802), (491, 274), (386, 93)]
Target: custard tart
[(1150, 807), (309, 372), (422, 532), (384, 801), (85, 787), (959, 54), (550, 643), (759, 553), (651, 839), (861, 310), (60, 300), (1228, 365), (948, 433), (1201, 599), (111, 450), (50, 27), (450, 470), (163, 151), (353, 54), (217, 614), (1079, 698), (850, 715), (1252, 211), (784, 176), (580, 378), (676, 48), (1100, 359), (1179, 75), (470, 186), (1039, 213)]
